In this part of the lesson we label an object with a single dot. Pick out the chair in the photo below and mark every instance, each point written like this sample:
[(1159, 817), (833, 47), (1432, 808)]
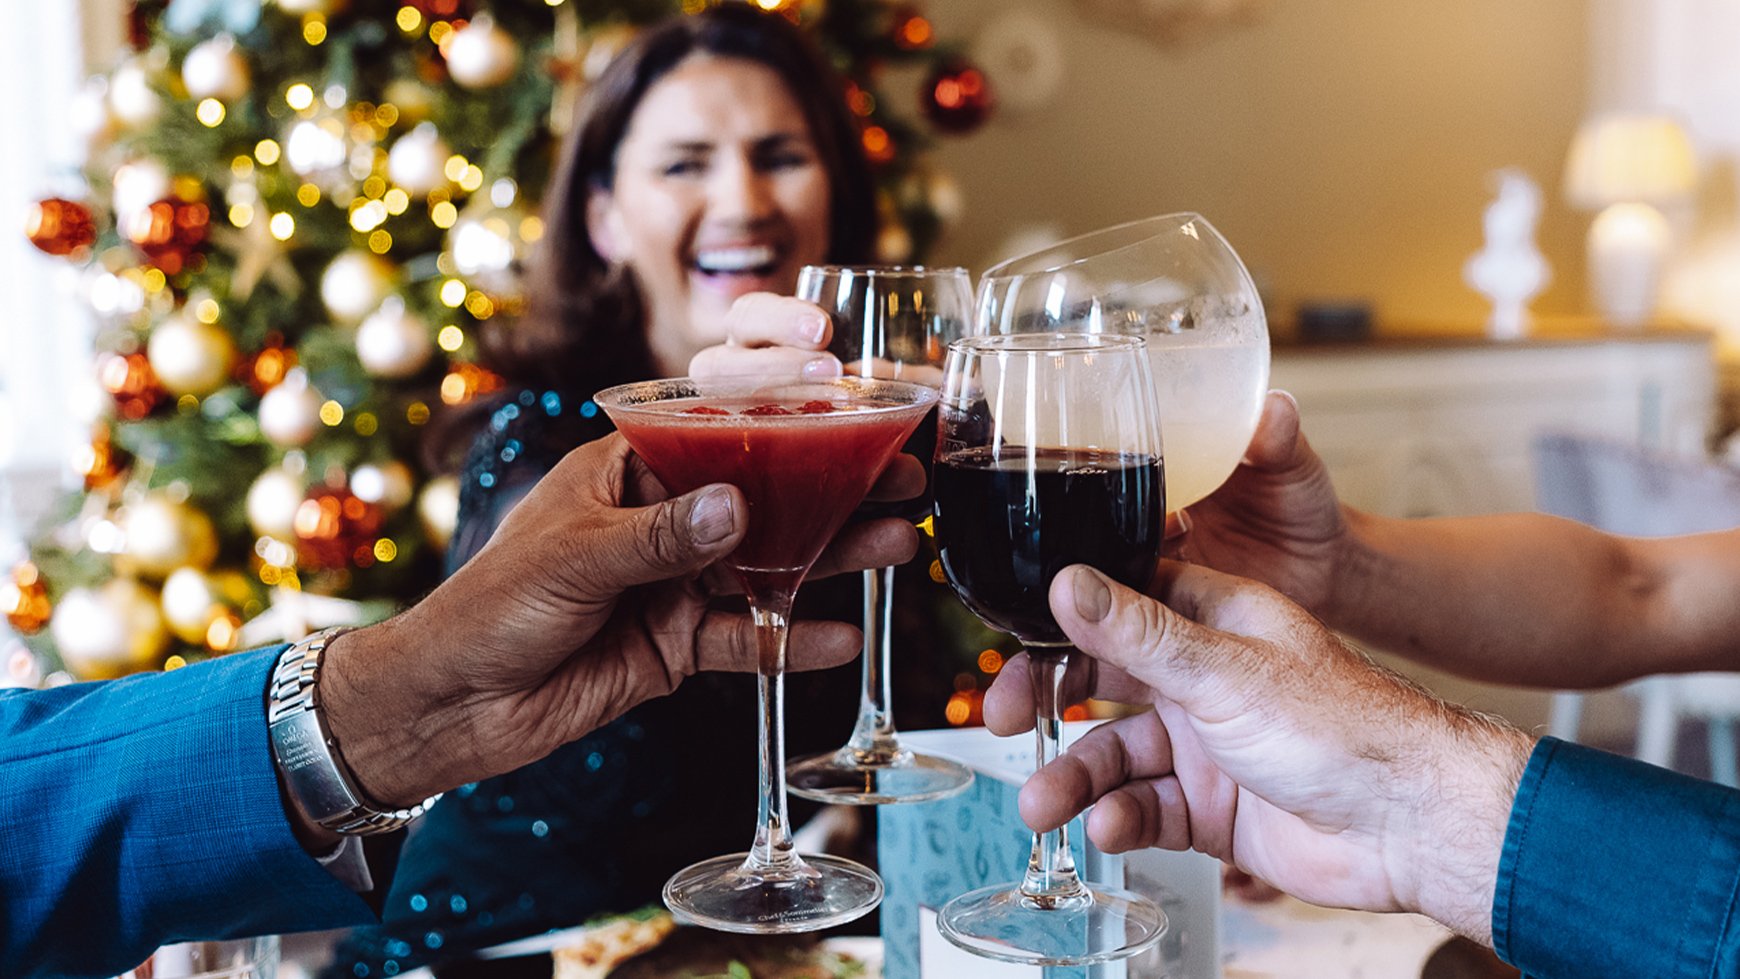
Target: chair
[(1626, 489)]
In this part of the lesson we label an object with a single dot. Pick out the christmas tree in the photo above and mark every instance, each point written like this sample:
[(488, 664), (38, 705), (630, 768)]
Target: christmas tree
[(298, 214)]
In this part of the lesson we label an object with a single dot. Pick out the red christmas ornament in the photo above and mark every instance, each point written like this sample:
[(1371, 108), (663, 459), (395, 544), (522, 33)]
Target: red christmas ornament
[(132, 383), (102, 463), (335, 528), (957, 97), (60, 227), (170, 232), (439, 9), (262, 371)]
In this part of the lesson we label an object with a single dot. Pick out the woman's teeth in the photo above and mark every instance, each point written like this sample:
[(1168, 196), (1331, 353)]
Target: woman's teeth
[(755, 259)]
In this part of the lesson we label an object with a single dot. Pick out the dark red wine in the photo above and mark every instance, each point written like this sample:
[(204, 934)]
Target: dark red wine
[(1004, 533), (923, 445)]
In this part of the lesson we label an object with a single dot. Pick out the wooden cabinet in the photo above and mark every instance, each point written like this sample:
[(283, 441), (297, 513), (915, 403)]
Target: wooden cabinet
[(1436, 427)]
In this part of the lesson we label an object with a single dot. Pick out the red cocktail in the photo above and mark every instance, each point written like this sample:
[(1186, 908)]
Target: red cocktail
[(803, 454)]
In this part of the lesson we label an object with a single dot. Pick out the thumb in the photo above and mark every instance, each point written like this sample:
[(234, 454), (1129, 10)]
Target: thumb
[(1277, 443), (1162, 647), (671, 539)]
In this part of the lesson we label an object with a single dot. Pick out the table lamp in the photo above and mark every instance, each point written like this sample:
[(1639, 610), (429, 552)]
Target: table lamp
[(1628, 166)]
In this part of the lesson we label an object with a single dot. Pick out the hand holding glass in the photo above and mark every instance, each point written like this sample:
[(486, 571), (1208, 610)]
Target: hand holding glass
[(803, 454), (1048, 455)]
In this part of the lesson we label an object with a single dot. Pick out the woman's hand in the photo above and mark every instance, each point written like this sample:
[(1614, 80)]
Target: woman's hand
[(770, 334)]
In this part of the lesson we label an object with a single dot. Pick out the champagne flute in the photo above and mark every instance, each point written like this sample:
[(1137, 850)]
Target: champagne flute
[(1175, 281), (1048, 454), (803, 454), (889, 321)]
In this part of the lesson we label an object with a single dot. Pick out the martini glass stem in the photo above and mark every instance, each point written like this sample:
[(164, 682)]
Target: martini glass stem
[(773, 850), (873, 739), (1051, 880)]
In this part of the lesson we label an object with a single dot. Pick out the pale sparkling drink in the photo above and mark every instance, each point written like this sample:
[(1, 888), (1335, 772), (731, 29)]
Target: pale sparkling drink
[(1210, 396)]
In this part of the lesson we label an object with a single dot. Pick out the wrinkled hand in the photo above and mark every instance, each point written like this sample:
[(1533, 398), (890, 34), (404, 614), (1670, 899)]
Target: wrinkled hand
[(1276, 519), (587, 601), (1271, 745)]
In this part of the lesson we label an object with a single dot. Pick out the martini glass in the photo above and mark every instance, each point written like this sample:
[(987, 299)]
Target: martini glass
[(1048, 455), (803, 454), (889, 321), (1174, 281)]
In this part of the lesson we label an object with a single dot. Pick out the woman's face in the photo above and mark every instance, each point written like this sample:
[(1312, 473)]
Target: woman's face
[(719, 191)]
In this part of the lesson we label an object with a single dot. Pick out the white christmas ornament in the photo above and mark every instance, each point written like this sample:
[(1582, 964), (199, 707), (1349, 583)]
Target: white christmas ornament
[(389, 484), (272, 502), (301, 8), (316, 148), (480, 54), (487, 247), (290, 412), (393, 342), (131, 96), (216, 69), (190, 357), (438, 510), (416, 162), (89, 115), (354, 285), (138, 185)]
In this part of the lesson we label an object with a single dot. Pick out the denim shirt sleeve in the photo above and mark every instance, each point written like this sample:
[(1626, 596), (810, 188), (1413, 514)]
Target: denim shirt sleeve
[(1612, 867)]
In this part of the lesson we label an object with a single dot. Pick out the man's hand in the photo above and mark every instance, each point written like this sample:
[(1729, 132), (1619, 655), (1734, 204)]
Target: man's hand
[(1276, 519), (587, 601), (1270, 745)]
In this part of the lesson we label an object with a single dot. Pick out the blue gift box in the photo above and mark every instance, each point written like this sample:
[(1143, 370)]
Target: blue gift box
[(933, 852)]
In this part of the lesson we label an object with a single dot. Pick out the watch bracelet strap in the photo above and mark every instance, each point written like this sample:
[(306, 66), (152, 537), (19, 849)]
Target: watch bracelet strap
[(308, 756)]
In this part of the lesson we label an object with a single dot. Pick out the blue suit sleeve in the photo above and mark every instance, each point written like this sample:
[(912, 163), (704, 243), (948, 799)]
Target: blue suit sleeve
[(1612, 867), (144, 811)]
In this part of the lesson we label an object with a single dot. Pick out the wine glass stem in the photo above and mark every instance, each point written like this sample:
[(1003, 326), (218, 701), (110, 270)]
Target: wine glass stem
[(1050, 881), (773, 850), (873, 738)]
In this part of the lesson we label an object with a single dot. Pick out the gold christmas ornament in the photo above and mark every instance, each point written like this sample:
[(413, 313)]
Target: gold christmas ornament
[(272, 501), (216, 69), (438, 510), (416, 162), (393, 342), (162, 535), (191, 357), (481, 54), (110, 631), (355, 283), (290, 412), (24, 599)]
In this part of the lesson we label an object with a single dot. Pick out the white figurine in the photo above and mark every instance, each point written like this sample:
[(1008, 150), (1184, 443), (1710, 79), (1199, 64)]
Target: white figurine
[(1510, 270)]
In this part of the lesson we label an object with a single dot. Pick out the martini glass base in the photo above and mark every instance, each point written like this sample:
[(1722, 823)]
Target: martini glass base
[(853, 778), (1104, 925), (820, 892)]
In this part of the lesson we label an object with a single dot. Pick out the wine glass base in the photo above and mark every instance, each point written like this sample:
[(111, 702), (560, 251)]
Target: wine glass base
[(999, 922), (820, 892), (839, 778)]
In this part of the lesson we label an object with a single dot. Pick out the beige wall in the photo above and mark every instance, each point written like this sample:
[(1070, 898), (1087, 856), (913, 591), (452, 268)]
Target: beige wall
[(1343, 146)]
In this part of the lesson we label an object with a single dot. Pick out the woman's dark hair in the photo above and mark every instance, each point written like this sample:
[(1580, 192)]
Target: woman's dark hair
[(585, 326)]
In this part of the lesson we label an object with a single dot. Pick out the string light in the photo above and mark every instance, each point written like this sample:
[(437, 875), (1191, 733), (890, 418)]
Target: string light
[(314, 29), (308, 195), (283, 226), (453, 293), (444, 215), (299, 97), (451, 338), (210, 112), (267, 151), (409, 19), (331, 414)]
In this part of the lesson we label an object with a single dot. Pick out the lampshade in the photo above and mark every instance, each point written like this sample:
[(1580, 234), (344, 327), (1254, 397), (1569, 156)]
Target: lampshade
[(1629, 157)]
